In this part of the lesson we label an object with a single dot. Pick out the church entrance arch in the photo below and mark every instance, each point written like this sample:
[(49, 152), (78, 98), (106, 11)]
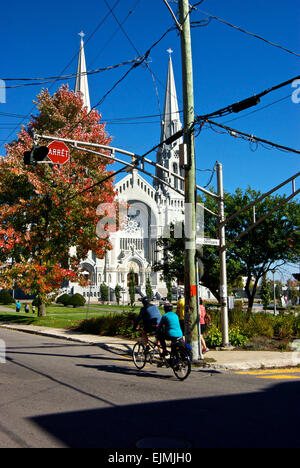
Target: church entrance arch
[(133, 266), (136, 279)]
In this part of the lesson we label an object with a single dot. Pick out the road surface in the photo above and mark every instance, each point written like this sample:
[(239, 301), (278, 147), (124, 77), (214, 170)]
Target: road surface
[(57, 393)]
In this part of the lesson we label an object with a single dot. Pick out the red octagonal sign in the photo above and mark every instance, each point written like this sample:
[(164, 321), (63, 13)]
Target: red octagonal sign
[(58, 152)]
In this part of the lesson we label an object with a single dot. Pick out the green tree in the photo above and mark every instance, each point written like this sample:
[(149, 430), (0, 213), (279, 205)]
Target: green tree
[(172, 263), (131, 287), (118, 293), (6, 298), (149, 291), (104, 292), (169, 288), (268, 244), (272, 242), (265, 291), (293, 294)]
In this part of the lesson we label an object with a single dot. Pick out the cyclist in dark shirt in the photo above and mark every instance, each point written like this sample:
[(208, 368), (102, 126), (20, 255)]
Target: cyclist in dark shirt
[(150, 316)]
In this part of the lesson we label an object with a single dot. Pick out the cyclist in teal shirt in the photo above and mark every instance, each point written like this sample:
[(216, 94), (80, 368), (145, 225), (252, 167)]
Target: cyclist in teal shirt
[(169, 327)]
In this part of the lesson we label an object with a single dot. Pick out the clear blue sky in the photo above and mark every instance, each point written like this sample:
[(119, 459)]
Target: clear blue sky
[(41, 39)]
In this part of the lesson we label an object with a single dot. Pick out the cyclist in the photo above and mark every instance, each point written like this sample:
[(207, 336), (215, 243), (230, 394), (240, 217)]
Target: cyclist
[(169, 328), (150, 316)]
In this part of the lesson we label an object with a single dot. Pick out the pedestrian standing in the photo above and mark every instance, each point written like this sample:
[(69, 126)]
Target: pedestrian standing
[(202, 313), (27, 309), (18, 306), (180, 312)]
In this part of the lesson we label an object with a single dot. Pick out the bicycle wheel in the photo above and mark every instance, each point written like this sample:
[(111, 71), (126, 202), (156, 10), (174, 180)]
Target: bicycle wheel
[(181, 365), (139, 355)]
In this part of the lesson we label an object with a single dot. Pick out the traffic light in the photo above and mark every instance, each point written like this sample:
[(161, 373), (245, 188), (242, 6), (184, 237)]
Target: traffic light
[(36, 154)]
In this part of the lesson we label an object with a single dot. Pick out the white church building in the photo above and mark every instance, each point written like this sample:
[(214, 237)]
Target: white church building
[(152, 208)]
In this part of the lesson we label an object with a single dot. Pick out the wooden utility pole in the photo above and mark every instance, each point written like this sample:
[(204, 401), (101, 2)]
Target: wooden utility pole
[(191, 305)]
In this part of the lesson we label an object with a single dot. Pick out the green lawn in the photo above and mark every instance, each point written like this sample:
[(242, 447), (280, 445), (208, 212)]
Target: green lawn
[(59, 316)]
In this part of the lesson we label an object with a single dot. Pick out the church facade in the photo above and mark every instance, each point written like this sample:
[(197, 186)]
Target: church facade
[(151, 210)]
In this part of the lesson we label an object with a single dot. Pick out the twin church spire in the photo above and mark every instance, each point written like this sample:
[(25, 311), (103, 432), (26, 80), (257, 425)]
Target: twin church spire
[(167, 155), (81, 84)]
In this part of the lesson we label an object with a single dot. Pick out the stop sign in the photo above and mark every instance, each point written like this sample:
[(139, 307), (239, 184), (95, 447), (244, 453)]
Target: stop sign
[(58, 152)]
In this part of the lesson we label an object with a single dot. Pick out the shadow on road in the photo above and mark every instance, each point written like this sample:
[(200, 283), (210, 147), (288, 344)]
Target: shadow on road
[(267, 419)]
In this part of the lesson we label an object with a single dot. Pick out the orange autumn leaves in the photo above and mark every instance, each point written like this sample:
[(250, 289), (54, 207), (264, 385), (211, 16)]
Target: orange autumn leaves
[(47, 221)]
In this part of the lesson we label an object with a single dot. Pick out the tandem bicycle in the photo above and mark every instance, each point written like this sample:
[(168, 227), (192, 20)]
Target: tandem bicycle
[(178, 359)]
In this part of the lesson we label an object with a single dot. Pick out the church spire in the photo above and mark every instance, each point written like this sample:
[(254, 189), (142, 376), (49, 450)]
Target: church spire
[(81, 84), (168, 155), (171, 122)]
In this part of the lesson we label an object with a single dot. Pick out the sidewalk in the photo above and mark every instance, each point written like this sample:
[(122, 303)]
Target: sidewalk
[(226, 360)]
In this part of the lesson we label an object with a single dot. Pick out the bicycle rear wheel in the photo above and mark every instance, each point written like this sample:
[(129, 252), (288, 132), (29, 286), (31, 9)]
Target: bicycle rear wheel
[(181, 365), (139, 355)]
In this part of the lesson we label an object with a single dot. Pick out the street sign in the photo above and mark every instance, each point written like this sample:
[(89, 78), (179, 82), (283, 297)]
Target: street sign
[(207, 241), (58, 152)]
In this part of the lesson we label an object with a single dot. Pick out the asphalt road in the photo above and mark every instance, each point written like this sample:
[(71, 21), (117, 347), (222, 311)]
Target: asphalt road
[(56, 393)]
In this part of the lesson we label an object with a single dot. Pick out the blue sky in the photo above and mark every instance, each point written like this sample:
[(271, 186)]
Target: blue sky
[(41, 40)]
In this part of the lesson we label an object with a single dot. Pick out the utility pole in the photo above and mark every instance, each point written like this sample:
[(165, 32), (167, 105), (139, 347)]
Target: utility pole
[(223, 272), (191, 305)]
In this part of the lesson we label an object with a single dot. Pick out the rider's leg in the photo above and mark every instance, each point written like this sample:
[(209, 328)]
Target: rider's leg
[(144, 337)]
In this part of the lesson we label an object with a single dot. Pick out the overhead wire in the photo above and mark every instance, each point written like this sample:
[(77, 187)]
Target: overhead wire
[(248, 102), (63, 77), (251, 138), (137, 51), (69, 63), (194, 23)]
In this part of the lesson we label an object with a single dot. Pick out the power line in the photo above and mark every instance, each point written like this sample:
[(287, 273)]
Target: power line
[(251, 138), (194, 23), (63, 77), (139, 62), (246, 103), (136, 50), (98, 26)]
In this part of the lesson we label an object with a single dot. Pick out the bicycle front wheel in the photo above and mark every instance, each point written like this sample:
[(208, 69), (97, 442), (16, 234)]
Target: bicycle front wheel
[(181, 365), (139, 355)]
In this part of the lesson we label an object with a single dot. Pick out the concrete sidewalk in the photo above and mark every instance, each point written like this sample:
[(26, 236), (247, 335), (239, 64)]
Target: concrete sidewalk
[(227, 360)]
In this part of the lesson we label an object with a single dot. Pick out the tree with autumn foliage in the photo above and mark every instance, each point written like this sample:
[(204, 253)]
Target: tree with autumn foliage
[(48, 214)]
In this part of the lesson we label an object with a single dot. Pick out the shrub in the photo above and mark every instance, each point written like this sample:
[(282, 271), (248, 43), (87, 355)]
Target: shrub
[(283, 326), (213, 338), (64, 299), (261, 324), (6, 298), (110, 324), (236, 338), (77, 300)]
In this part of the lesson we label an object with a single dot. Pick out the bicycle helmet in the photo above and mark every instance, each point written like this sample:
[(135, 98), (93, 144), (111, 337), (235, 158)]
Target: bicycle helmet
[(168, 307), (145, 300)]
